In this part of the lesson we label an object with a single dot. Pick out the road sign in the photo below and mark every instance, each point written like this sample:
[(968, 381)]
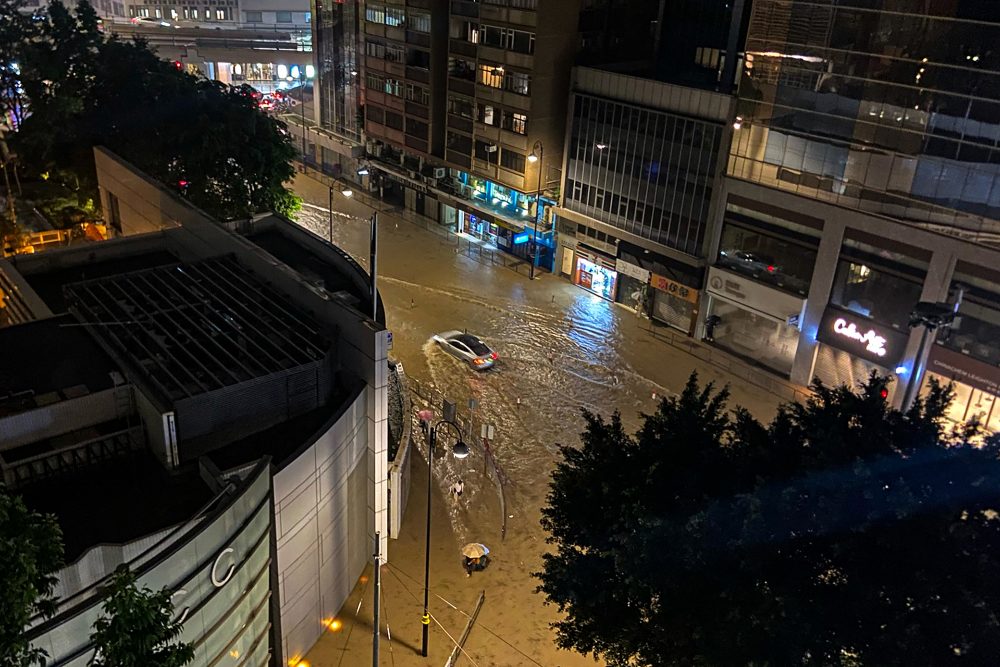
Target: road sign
[(487, 431), (448, 410), (388, 340), (473, 404)]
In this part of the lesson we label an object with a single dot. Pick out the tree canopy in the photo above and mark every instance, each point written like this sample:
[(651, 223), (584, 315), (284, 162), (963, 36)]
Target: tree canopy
[(31, 554), (843, 532), (138, 628), (202, 138)]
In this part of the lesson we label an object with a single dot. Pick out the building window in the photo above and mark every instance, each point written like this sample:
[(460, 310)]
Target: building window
[(375, 114), (394, 17), (375, 14), (491, 75), (522, 42), (487, 151), (220, 15), (252, 17), (515, 122), (459, 143), (767, 258), (194, 12), (462, 69), (373, 82), (374, 49), (418, 58), (419, 21), (394, 120), (418, 94), (512, 160), (283, 17), (516, 82), (393, 87), (496, 37), (159, 14), (487, 114), (875, 293), (473, 33), (395, 53), (460, 107), (416, 128)]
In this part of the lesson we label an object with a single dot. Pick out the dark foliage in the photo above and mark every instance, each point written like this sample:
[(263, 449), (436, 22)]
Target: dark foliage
[(842, 533)]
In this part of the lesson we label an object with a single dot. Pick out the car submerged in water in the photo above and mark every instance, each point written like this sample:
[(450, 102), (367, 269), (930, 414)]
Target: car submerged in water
[(468, 348)]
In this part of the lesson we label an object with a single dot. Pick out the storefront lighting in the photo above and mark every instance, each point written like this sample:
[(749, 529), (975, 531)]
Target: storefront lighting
[(738, 123), (282, 71), (310, 71), (901, 370), (363, 171), (601, 147)]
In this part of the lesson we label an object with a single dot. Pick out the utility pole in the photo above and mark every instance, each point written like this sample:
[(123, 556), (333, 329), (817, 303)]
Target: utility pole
[(371, 272)]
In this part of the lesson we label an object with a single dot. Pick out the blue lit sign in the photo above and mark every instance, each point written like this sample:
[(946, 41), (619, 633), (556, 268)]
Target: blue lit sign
[(521, 238)]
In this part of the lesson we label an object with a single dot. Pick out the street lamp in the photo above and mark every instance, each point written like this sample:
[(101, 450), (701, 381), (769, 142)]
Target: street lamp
[(537, 155), (931, 316), (373, 244), (302, 109), (460, 450)]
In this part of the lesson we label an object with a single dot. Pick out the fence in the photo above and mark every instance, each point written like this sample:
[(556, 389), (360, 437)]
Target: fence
[(429, 396)]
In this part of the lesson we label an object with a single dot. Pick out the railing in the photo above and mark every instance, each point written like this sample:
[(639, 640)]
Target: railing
[(81, 454)]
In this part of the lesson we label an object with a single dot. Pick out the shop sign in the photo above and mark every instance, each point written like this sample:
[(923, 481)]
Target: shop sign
[(861, 337), (964, 369), (521, 238), (674, 288), (756, 296), (629, 269)]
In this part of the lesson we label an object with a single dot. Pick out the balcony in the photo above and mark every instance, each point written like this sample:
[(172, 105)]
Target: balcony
[(463, 8), (462, 86), (459, 123), (418, 74), (417, 109), (462, 48), (418, 38)]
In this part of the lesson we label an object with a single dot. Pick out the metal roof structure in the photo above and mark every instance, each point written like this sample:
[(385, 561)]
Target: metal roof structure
[(192, 328)]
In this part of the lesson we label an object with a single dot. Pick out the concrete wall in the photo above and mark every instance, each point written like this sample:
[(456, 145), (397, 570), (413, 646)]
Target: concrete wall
[(56, 419), (321, 529)]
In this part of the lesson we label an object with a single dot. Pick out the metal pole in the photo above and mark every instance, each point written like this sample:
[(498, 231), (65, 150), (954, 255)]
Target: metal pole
[(378, 598), (538, 212), (372, 274), (911, 388), (302, 105), (426, 619), (331, 214)]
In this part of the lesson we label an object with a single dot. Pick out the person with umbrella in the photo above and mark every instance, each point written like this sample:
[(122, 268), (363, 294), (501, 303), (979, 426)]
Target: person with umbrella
[(476, 557)]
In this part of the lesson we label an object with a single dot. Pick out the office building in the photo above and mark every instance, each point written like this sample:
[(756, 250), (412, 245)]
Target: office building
[(863, 179), (649, 125), (206, 405)]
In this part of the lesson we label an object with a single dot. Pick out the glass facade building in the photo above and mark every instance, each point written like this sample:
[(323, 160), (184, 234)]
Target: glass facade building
[(337, 77), (884, 106), (644, 171)]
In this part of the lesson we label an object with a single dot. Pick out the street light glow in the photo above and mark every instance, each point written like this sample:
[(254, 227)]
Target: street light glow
[(460, 450), (532, 158), (347, 192)]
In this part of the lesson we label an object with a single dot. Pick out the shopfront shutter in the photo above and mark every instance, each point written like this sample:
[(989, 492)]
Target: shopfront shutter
[(836, 367), (671, 310)]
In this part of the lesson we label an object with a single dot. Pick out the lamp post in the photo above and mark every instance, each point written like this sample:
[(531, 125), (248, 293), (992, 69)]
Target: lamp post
[(460, 450), (372, 247), (931, 316), (302, 110), (537, 155)]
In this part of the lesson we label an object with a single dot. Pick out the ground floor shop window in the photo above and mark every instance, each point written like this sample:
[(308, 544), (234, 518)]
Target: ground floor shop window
[(596, 278), (754, 336), (969, 403), (673, 310)]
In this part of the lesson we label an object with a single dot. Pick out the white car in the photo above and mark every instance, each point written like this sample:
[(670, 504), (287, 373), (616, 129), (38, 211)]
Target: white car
[(468, 348), (150, 20)]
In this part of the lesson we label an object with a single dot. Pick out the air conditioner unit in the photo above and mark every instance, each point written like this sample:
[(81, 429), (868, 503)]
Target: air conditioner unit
[(440, 172)]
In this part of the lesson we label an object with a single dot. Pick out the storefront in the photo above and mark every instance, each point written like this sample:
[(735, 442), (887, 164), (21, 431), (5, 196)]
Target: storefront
[(853, 346), (633, 285), (674, 303), (753, 321), (976, 384), (595, 272)]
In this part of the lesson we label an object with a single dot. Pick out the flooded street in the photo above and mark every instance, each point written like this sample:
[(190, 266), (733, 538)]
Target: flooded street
[(561, 350)]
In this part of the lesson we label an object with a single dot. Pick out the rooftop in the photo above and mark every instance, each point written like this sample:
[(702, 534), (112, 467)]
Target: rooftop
[(47, 361), (197, 327)]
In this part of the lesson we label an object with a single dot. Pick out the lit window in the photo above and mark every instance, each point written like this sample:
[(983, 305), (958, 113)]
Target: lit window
[(490, 75)]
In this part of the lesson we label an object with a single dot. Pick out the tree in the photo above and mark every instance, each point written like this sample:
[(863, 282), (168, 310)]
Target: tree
[(205, 140), (842, 533), (138, 628), (31, 554), (16, 30)]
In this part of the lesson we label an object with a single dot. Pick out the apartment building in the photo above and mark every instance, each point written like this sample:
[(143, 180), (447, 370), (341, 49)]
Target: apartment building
[(863, 179), (465, 107)]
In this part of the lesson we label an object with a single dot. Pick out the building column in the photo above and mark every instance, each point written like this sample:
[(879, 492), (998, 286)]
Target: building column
[(824, 271), (937, 284)]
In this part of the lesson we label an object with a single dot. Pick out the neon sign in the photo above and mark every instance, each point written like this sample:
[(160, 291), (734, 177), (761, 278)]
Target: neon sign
[(873, 342)]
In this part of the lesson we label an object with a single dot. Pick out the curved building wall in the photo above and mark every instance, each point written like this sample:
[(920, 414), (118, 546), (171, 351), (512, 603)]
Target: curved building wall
[(322, 526), (219, 573)]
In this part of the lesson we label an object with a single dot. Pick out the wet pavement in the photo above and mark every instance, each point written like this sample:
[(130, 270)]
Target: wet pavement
[(561, 350)]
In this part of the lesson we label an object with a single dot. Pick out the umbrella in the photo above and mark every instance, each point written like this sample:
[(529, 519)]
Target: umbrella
[(474, 550)]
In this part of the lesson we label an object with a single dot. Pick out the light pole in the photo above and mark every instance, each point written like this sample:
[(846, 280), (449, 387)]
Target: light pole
[(460, 450), (372, 248), (302, 110), (537, 155), (930, 316)]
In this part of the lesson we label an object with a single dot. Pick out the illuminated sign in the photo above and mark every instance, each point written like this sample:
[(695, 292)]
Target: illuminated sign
[(521, 238), (858, 335), (872, 341)]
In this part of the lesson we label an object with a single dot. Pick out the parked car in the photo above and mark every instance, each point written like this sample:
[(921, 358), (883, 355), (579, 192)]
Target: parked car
[(748, 262), (151, 20), (468, 348)]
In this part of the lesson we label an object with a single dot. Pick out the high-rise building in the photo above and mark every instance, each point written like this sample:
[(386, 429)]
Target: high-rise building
[(864, 177), (465, 108), (649, 126)]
